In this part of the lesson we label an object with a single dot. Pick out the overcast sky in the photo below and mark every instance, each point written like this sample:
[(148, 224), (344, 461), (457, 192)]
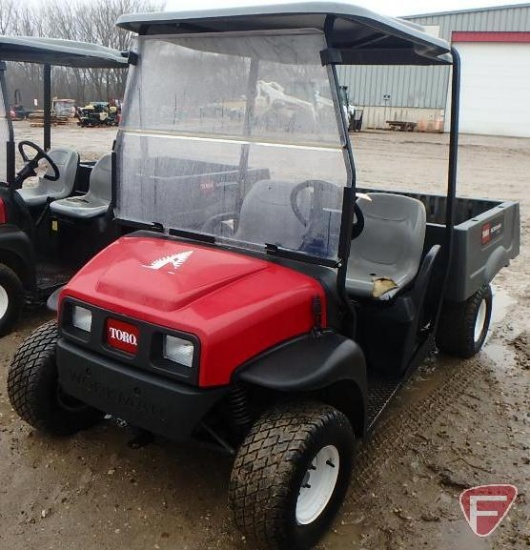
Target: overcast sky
[(388, 7)]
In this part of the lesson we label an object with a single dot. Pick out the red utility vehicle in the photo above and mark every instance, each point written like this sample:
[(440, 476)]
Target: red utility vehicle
[(276, 322)]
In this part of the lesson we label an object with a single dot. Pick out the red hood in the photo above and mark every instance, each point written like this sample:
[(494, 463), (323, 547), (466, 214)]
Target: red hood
[(237, 305), (165, 275)]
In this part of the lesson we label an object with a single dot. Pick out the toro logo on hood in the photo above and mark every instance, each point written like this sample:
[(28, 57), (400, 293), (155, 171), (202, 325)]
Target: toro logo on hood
[(122, 336), (175, 261)]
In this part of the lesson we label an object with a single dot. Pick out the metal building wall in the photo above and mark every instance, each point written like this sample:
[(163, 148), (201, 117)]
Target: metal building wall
[(427, 87), (419, 87), (507, 18)]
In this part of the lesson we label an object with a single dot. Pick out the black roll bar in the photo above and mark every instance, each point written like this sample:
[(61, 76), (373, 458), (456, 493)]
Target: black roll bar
[(47, 106), (10, 144), (453, 164)]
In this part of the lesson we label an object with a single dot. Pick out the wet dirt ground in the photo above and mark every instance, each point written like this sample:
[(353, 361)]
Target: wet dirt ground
[(456, 424)]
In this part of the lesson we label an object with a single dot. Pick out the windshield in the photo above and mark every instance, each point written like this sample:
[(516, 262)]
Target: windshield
[(226, 134)]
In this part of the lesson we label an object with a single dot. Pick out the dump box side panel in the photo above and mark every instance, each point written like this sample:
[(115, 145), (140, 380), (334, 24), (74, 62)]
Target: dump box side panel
[(482, 246)]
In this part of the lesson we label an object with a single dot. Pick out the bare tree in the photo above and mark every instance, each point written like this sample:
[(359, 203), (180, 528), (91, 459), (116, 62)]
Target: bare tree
[(82, 20), (8, 15)]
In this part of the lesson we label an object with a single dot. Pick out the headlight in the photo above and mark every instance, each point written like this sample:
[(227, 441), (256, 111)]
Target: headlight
[(178, 350), (82, 318)]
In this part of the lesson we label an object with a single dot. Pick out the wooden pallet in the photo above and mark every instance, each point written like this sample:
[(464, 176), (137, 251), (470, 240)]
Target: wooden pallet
[(56, 123)]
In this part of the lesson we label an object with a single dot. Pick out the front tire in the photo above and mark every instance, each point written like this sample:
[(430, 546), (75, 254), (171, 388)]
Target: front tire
[(34, 391), (291, 474), (11, 299), (463, 326)]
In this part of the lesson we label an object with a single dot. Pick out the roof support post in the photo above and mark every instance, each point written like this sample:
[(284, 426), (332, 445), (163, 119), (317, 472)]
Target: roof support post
[(247, 127), (453, 152), (453, 168), (10, 143), (453, 136), (47, 106)]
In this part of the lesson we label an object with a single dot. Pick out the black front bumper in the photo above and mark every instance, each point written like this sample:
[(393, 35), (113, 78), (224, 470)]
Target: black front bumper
[(143, 399)]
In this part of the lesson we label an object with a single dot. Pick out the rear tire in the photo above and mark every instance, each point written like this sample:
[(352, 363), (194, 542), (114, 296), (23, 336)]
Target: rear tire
[(291, 474), (34, 391), (463, 326), (11, 299)]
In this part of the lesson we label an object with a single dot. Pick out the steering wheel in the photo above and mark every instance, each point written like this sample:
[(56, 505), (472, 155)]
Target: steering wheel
[(319, 186), (358, 226), (31, 164)]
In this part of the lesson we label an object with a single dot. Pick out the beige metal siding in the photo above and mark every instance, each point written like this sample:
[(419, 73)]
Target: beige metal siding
[(506, 19), (427, 87)]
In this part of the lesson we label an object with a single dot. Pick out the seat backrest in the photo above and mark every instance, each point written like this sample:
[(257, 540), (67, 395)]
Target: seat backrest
[(393, 235), (100, 183), (67, 161), (267, 215)]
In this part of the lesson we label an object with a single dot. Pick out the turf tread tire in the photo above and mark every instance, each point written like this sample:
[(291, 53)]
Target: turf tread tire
[(32, 387), (456, 329), (263, 480)]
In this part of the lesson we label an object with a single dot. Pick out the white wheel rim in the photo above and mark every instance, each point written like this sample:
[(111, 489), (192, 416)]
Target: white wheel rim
[(480, 321), (318, 485), (4, 301)]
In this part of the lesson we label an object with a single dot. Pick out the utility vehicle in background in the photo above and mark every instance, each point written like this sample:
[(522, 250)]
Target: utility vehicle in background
[(277, 325), (42, 243)]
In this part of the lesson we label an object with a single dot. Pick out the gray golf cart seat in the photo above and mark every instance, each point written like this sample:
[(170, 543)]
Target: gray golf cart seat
[(67, 161), (94, 203), (266, 212), (390, 247)]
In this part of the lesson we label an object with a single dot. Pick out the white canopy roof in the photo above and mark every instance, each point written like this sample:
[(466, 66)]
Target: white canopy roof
[(362, 36), (54, 51)]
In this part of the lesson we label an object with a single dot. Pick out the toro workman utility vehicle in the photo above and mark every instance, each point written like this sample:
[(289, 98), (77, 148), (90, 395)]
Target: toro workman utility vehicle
[(50, 229), (278, 322)]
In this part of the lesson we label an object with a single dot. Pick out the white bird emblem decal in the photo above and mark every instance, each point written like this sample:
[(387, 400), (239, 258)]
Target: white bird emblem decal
[(175, 260)]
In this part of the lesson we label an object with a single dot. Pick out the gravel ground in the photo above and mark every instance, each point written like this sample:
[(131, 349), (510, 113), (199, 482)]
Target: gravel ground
[(456, 424)]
